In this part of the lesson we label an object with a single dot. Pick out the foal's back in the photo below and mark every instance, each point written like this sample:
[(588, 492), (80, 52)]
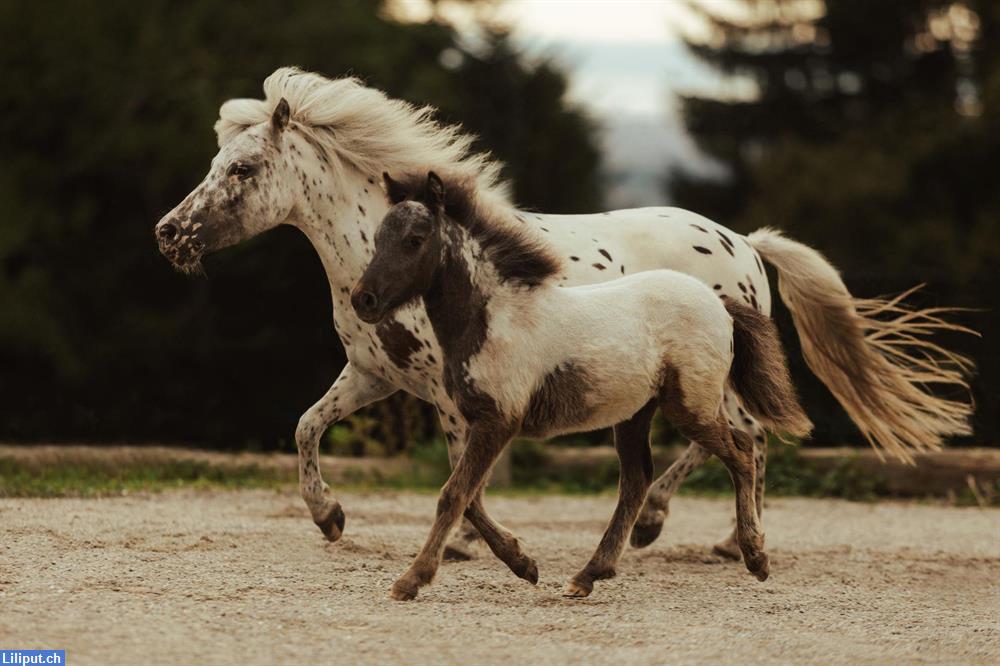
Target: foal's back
[(621, 335)]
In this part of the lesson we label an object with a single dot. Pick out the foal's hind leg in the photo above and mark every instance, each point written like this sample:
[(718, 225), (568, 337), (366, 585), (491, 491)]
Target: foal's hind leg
[(632, 445), (742, 421)]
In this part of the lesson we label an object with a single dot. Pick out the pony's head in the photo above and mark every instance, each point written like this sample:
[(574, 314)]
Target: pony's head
[(247, 191), (408, 250)]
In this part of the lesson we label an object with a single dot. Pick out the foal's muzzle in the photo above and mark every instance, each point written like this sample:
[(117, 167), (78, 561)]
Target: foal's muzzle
[(366, 305)]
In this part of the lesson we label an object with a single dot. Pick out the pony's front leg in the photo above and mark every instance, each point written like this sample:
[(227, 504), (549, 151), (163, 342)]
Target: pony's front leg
[(459, 548), (485, 442), (353, 390)]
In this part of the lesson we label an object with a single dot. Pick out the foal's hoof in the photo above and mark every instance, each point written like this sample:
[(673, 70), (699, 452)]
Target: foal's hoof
[(527, 570), (759, 565), (728, 549), (333, 523), (644, 534), (404, 590), (576, 589)]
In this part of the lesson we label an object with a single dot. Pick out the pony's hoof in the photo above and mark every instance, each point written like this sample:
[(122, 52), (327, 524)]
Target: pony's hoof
[(577, 589), (528, 571), (332, 524), (403, 590), (458, 551), (728, 549), (759, 565), (644, 534)]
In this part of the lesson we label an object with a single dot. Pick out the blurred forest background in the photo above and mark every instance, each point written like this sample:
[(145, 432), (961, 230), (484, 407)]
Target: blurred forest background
[(874, 137)]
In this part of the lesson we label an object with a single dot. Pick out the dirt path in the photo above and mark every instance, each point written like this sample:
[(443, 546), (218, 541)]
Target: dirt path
[(245, 578)]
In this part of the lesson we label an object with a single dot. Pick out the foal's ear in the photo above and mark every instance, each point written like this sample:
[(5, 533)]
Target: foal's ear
[(279, 119), (396, 190), (435, 190)]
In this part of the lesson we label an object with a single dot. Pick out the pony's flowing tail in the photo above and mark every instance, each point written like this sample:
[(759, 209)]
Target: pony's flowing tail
[(872, 354), (759, 373)]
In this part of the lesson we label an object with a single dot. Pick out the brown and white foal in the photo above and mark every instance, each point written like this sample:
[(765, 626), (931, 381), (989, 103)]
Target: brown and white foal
[(524, 355)]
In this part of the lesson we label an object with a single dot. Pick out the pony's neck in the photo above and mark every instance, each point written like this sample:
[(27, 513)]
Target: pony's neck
[(338, 210)]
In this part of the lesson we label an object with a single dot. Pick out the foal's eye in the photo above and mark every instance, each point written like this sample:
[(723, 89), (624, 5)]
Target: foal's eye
[(241, 171), (415, 241)]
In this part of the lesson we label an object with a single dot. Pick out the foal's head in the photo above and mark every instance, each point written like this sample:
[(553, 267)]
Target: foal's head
[(408, 250), (248, 190)]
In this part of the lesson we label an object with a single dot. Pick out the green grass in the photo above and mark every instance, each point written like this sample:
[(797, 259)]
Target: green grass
[(788, 474), (95, 479)]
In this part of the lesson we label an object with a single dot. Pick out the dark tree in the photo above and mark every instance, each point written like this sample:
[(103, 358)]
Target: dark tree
[(872, 134)]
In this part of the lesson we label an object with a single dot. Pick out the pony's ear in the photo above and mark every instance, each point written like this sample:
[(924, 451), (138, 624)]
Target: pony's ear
[(279, 119), (435, 190), (396, 190)]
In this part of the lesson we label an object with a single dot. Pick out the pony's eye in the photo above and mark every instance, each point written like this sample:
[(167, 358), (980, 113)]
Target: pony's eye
[(241, 171), (415, 241)]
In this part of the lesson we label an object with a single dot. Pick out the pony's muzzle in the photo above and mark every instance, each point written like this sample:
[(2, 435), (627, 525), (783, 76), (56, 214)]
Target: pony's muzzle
[(167, 232), (366, 304)]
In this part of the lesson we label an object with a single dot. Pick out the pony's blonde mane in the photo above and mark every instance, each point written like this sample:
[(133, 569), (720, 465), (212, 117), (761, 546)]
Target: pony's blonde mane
[(363, 128)]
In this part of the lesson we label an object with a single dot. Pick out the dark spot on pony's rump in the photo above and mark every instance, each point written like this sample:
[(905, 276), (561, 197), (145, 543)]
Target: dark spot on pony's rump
[(364, 238), (559, 402), (742, 287), (699, 228), (726, 243), (760, 267), (703, 250), (361, 208), (750, 282), (371, 181), (606, 255), (599, 267), (753, 302), (623, 269), (717, 287), (575, 258), (544, 229), (662, 215)]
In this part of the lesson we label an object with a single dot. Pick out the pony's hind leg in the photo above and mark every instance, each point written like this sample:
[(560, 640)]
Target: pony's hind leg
[(353, 390), (742, 421), (632, 445)]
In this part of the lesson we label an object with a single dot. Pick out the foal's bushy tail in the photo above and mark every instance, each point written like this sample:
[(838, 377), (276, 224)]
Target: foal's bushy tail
[(759, 373), (873, 354)]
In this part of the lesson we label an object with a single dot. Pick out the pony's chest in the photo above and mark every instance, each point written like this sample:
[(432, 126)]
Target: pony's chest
[(401, 350)]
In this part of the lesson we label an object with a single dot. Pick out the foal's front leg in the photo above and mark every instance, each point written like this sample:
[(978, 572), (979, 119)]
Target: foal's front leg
[(353, 390), (632, 445), (485, 442)]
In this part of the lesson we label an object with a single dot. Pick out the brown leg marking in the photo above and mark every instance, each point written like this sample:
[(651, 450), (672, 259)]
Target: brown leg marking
[(735, 450), (632, 445), (485, 443), (729, 547)]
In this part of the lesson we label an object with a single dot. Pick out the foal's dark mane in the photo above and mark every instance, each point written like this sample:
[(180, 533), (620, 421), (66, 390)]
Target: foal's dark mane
[(516, 253)]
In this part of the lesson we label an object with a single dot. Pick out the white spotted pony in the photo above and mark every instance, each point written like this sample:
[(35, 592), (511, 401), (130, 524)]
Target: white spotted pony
[(311, 154)]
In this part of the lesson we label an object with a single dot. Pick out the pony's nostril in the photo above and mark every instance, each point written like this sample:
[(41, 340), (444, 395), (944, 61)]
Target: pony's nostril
[(167, 231), (364, 301)]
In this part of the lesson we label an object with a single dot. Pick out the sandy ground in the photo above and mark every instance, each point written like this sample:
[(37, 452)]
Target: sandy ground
[(245, 578)]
